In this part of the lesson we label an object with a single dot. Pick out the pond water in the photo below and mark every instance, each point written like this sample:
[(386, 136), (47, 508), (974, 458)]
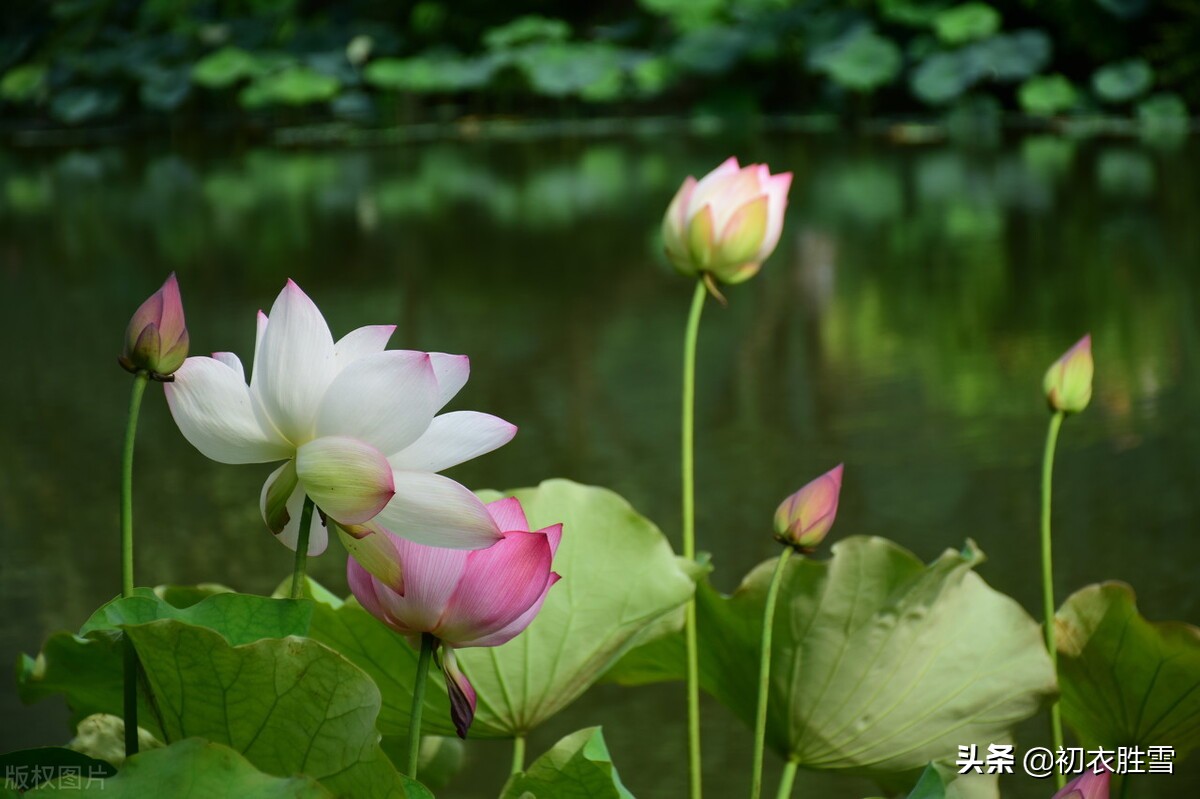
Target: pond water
[(902, 327)]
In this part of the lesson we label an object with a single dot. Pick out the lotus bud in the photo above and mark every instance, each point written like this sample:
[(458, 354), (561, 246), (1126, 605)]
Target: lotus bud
[(726, 224), (803, 520), (1089, 785), (1068, 381), (156, 340)]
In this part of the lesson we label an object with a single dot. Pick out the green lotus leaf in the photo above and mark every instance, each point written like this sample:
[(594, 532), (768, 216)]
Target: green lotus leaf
[(559, 69), (966, 23), (577, 766), (292, 85), (1046, 95), (524, 30), (289, 705), (190, 769), (87, 669), (430, 73), (862, 61), (229, 65), (23, 83), (880, 664), (942, 77), (1123, 81), (1127, 681)]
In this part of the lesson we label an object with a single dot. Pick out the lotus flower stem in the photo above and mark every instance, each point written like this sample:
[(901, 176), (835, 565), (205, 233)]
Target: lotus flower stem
[(518, 761), (1056, 731), (689, 535), (301, 563), (785, 782), (428, 643), (131, 665), (764, 674)]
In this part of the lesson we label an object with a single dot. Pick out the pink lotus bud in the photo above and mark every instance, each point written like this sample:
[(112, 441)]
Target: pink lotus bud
[(727, 223), (481, 597), (1089, 785), (803, 520), (1068, 381), (156, 340)]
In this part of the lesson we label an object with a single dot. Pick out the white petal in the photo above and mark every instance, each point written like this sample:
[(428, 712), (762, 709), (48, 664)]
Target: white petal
[(453, 438), (318, 536), (435, 510), (232, 361), (215, 412), (452, 372), (361, 342), (294, 364), (387, 399)]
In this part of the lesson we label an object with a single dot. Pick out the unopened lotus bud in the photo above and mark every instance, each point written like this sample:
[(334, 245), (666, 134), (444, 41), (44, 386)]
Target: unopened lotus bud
[(1090, 785), (156, 340), (1068, 381), (803, 520)]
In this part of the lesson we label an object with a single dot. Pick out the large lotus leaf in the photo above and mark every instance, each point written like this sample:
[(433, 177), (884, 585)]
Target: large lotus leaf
[(577, 766), (526, 30), (966, 23), (558, 69), (879, 665), (619, 577), (225, 67), (1046, 95), (430, 73), (292, 85), (27, 768), (1127, 681), (87, 669), (1123, 81), (190, 769), (862, 61), (289, 705)]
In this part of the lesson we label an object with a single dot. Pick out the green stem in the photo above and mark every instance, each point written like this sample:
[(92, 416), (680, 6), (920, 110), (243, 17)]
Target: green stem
[(1124, 785), (301, 564), (785, 782), (140, 380), (135, 404), (764, 675), (1056, 731), (518, 762), (689, 535), (428, 642)]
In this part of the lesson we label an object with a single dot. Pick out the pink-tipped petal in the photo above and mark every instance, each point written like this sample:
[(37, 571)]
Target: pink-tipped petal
[(435, 510), (735, 192), (498, 585), (1089, 785), (387, 399), (347, 478), (362, 342), (215, 412), (709, 185), (362, 586), (454, 438), (462, 694), (432, 575), (509, 515), (171, 324), (701, 238), (294, 365), (452, 372), (777, 192), (674, 222), (553, 534), (517, 625), (743, 234)]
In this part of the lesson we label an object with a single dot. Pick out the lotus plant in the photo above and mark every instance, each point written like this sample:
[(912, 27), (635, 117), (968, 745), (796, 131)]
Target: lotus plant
[(452, 599), (801, 523), (1068, 388), (717, 229), (354, 424), (156, 344)]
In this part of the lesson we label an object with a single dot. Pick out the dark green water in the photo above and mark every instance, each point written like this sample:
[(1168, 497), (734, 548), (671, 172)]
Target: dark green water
[(902, 327)]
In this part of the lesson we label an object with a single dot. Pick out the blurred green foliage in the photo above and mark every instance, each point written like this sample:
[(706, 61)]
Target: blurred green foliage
[(78, 61)]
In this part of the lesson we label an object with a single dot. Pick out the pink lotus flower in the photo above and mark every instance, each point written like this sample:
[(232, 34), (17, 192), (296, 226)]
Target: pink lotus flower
[(1068, 381), (353, 422), (727, 223), (156, 340), (803, 520), (484, 597), (1089, 785)]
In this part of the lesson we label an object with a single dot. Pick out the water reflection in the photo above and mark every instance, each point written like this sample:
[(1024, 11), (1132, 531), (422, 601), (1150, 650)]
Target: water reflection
[(902, 327)]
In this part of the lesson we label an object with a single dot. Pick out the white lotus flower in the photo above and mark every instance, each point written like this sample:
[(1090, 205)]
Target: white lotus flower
[(354, 422)]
